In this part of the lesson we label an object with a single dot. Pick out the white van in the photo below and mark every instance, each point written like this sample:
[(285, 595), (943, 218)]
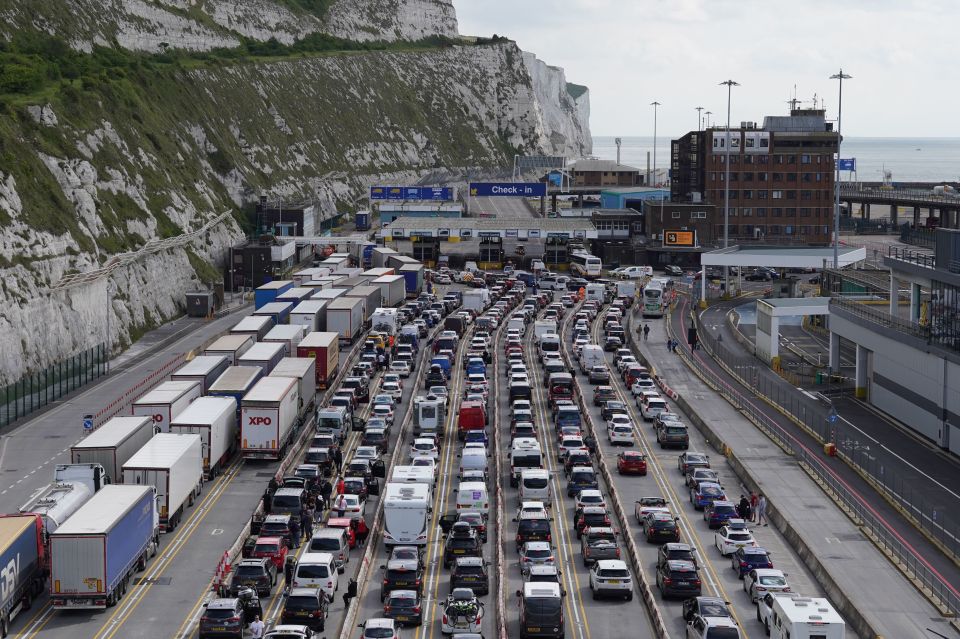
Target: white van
[(535, 485), (472, 495), (316, 570), (549, 343), (591, 355), (473, 459), (333, 541), (406, 507), (517, 322)]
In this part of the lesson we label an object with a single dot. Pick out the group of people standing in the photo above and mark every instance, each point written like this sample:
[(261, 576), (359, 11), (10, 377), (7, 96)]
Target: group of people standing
[(753, 508)]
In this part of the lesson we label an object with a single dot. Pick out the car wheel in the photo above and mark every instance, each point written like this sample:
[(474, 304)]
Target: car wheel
[(766, 628), (630, 596), (758, 615)]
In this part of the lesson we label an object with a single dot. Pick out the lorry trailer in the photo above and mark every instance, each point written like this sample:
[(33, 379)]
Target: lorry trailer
[(235, 382), (73, 485), (268, 414), (255, 326), (287, 334), (309, 314), (94, 554), (264, 355), (345, 317), (269, 291), (24, 558), (231, 347), (203, 368), (324, 347), (173, 464), (113, 444), (165, 402), (304, 370), (214, 419)]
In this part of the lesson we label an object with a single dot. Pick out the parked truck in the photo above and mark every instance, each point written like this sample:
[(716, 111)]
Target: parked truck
[(304, 370), (310, 314), (231, 347), (173, 464), (73, 485), (393, 289), (203, 368), (269, 291), (214, 419), (278, 311), (165, 402), (23, 556), (476, 299), (371, 296), (345, 317), (543, 327), (295, 295), (287, 334), (268, 414), (324, 347), (263, 354), (235, 382), (94, 554), (413, 276), (255, 326), (113, 444)]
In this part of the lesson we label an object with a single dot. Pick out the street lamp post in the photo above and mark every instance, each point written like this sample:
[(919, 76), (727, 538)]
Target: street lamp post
[(841, 76), (708, 114), (699, 118), (654, 104), (726, 187)]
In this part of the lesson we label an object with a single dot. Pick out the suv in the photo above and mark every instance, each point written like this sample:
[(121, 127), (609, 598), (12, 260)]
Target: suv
[(307, 606), (673, 434), (676, 550), (259, 574), (611, 577), (462, 542), (287, 631), (598, 543), (223, 618), (470, 572), (678, 578), (401, 574), (532, 529)]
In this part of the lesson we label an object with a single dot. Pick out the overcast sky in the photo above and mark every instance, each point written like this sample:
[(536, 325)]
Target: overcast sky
[(902, 55)]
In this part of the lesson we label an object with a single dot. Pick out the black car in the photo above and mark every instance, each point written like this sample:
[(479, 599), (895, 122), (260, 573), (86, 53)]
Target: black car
[(401, 574), (224, 618), (461, 542), (375, 437), (404, 607), (705, 607), (675, 550), (532, 529), (611, 407), (660, 527), (435, 378), (677, 578), (758, 275), (612, 343), (259, 574), (305, 606), (673, 269), (470, 572), (477, 521), (591, 516)]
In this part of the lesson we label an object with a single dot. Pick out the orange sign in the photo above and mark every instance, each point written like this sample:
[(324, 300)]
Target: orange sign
[(679, 238)]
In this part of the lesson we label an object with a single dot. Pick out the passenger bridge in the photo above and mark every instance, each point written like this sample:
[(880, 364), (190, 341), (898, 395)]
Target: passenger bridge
[(943, 209)]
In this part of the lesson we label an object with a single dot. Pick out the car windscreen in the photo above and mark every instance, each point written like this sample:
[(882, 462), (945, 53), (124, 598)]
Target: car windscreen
[(535, 482), (534, 525), (249, 571), (286, 502), (614, 573), (470, 570), (324, 544), (546, 610), (297, 602), (219, 613), (378, 633), (676, 430), (266, 548), (722, 633), (527, 461), (312, 571)]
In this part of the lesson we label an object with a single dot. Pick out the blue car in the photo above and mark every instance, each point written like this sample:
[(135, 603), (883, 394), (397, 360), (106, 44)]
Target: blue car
[(719, 513), (705, 494), (581, 478), (748, 558), (476, 366), (476, 436)]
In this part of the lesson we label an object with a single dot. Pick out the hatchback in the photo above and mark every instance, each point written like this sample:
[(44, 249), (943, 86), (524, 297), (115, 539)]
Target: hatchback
[(749, 558), (611, 577), (404, 607), (536, 553), (307, 606)]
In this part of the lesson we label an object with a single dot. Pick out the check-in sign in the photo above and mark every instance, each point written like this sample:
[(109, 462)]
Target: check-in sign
[(679, 238)]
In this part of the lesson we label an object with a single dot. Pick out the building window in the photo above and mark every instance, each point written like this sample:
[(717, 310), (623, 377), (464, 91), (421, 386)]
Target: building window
[(763, 159), (804, 159), (806, 195), (791, 195), (733, 229), (791, 177), (761, 212), (777, 212), (748, 230), (807, 177), (675, 215), (778, 177), (761, 195), (788, 230), (733, 194), (776, 195), (747, 194), (748, 176), (761, 177), (734, 176), (774, 229), (779, 159), (698, 215), (804, 211), (746, 211), (791, 212), (748, 159), (764, 143), (791, 159)]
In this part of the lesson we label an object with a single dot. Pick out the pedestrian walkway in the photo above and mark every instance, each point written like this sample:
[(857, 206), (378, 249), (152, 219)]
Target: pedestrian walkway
[(871, 593)]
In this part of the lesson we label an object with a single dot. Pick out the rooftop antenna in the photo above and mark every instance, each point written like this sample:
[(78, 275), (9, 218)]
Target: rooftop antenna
[(793, 101)]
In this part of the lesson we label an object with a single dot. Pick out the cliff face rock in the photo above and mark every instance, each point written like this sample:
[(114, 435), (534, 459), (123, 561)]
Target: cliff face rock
[(102, 167), (564, 108), (202, 25)]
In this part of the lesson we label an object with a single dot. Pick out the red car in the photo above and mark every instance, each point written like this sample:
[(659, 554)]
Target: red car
[(630, 462), (274, 548)]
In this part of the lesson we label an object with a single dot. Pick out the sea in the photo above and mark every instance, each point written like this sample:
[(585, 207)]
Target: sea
[(906, 159)]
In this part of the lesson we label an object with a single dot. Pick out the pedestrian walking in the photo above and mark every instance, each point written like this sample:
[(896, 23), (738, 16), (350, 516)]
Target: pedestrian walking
[(646, 331), (256, 628), (762, 510), (320, 504), (267, 501), (337, 458), (288, 567), (341, 506), (294, 532), (340, 487), (362, 532), (326, 488), (382, 359), (753, 506), (306, 523), (272, 485), (350, 593), (744, 508)]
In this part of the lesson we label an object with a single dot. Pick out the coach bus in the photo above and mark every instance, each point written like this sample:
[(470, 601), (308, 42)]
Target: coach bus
[(653, 299), (583, 264)]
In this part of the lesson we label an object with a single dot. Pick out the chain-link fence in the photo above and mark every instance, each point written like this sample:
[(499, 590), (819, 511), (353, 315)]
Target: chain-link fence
[(931, 506), (36, 390)]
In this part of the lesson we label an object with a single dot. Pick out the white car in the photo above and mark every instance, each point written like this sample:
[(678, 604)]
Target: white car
[(642, 385), (619, 419), (570, 443), (620, 435), (647, 505), (383, 398), (423, 447), (427, 462), (367, 452), (380, 628), (532, 510), (462, 613), (400, 367), (759, 581), (393, 378), (611, 577), (650, 407), (355, 508), (383, 411), (521, 404), (706, 627), (732, 536), (590, 497), (392, 389)]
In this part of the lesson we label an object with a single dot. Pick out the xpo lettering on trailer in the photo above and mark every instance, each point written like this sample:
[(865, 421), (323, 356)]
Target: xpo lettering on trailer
[(508, 189)]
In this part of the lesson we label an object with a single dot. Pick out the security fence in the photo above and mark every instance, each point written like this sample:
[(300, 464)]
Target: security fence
[(36, 390)]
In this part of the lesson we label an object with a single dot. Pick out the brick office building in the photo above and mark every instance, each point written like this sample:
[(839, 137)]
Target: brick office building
[(781, 177)]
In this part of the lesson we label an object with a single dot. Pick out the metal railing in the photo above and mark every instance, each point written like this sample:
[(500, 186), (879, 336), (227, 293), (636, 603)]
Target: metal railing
[(877, 465), (927, 260), (901, 195), (880, 317), (36, 390)]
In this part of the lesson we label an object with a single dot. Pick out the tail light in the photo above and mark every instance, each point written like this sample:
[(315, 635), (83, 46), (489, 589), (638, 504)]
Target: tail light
[(386, 582), (743, 564), (296, 583), (329, 584), (667, 581), (548, 536), (387, 609), (416, 610), (618, 552), (233, 620), (696, 582), (586, 552), (445, 619), (518, 538)]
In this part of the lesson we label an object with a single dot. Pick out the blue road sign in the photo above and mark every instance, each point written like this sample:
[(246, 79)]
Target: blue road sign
[(88, 422), (847, 164), (435, 193), (833, 417), (508, 189)]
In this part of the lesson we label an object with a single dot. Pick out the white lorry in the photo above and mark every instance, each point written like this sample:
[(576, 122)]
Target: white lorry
[(203, 368), (113, 444), (214, 419), (406, 508), (303, 369), (166, 401), (268, 414), (543, 327), (173, 464), (414, 475)]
